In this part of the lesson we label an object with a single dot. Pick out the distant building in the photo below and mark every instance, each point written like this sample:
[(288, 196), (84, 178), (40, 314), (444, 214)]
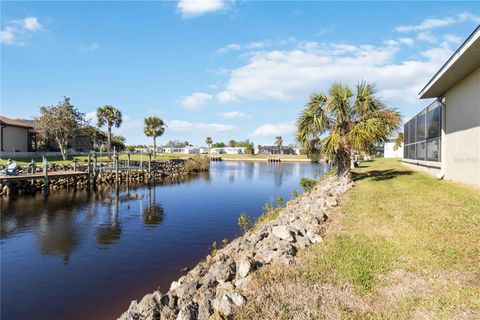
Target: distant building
[(389, 149), (274, 150), (228, 150), (173, 150), (444, 138), (17, 135), (190, 150)]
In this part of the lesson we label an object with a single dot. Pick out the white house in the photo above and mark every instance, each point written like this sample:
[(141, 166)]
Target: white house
[(190, 150), (173, 150), (17, 135), (389, 150), (228, 150), (444, 138)]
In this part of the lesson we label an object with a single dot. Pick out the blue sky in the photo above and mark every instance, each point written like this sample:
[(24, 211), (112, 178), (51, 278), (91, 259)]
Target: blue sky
[(225, 69)]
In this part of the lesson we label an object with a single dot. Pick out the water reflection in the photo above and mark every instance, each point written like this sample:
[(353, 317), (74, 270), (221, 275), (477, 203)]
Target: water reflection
[(151, 232), (153, 214)]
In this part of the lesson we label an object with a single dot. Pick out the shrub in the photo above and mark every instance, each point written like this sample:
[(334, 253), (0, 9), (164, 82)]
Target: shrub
[(214, 248), (279, 202), (224, 242), (294, 194), (244, 222), (307, 184)]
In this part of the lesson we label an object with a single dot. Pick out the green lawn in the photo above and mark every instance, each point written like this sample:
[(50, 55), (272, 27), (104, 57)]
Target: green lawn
[(401, 245)]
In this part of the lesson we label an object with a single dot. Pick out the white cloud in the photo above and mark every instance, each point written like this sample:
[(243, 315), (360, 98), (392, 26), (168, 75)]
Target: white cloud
[(226, 97), (230, 47), (433, 23), (195, 100), (233, 115), (17, 31), (198, 127), (452, 38), (90, 48), (195, 8), (427, 37), (292, 75), (274, 129), (31, 23), (8, 35)]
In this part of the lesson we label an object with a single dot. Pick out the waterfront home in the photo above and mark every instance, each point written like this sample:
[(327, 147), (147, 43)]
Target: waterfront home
[(228, 150), (173, 150), (444, 138), (190, 150), (389, 150), (17, 135), (274, 150)]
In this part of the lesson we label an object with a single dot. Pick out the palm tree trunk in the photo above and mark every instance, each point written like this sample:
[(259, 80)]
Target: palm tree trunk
[(343, 164), (109, 139), (154, 146)]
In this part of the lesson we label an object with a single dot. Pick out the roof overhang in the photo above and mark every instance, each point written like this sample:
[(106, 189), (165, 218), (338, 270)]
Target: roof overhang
[(463, 62)]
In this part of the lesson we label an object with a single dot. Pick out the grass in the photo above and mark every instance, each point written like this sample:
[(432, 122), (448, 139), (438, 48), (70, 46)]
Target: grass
[(401, 245)]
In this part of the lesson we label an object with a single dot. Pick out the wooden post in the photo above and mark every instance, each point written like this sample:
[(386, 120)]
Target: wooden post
[(128, 167), (115, 163), (46, 189), (74, 164), (94, 170), (149, 163), (34, 169), (89, 168)]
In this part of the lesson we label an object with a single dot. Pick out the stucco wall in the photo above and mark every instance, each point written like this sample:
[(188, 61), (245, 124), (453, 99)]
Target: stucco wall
[(461, 144), (389, 152), (15, 138)]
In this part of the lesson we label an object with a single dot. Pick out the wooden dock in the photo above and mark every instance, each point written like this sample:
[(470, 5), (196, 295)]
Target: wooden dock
[(41, 176)]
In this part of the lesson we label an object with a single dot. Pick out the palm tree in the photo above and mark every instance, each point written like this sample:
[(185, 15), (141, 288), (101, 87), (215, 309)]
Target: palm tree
[(345, 122), (398, 141), (279, 143), (232, 143), (154, 127), (110, 116), (209, 142)]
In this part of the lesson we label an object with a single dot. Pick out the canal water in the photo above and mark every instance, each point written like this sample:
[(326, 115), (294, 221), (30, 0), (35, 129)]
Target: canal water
[(86, 256)]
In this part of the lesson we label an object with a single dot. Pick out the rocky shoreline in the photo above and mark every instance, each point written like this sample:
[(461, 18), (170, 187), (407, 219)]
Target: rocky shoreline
[(215, 286), (160, 171)]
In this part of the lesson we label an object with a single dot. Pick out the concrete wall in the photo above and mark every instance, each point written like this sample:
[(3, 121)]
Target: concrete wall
[(461, 136), (389, 152), (15, 138)]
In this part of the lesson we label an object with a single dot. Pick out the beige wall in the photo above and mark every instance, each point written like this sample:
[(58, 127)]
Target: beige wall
[(461, 137), (15, 138)]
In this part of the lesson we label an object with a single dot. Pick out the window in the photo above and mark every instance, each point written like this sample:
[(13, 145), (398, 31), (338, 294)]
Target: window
[(422, 134), (421, 126), (433, 150), (433, 123)]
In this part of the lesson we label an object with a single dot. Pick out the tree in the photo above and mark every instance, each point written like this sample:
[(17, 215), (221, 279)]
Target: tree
[(398, 141), (345, 122), (119, 142), (249, 149), (97, 136), (154, 127), (61, 122), (232, 143), (279, 143), (209, 142), (110, 116), (219, 145)]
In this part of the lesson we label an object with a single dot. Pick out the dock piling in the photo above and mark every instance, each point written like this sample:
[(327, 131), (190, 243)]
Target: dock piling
[(46, 188)]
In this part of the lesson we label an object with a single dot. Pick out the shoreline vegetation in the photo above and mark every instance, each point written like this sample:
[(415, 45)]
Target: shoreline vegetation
[(398, 237)]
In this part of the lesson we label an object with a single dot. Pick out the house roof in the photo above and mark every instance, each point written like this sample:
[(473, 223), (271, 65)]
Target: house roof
[(16, 122), (463, 62)]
